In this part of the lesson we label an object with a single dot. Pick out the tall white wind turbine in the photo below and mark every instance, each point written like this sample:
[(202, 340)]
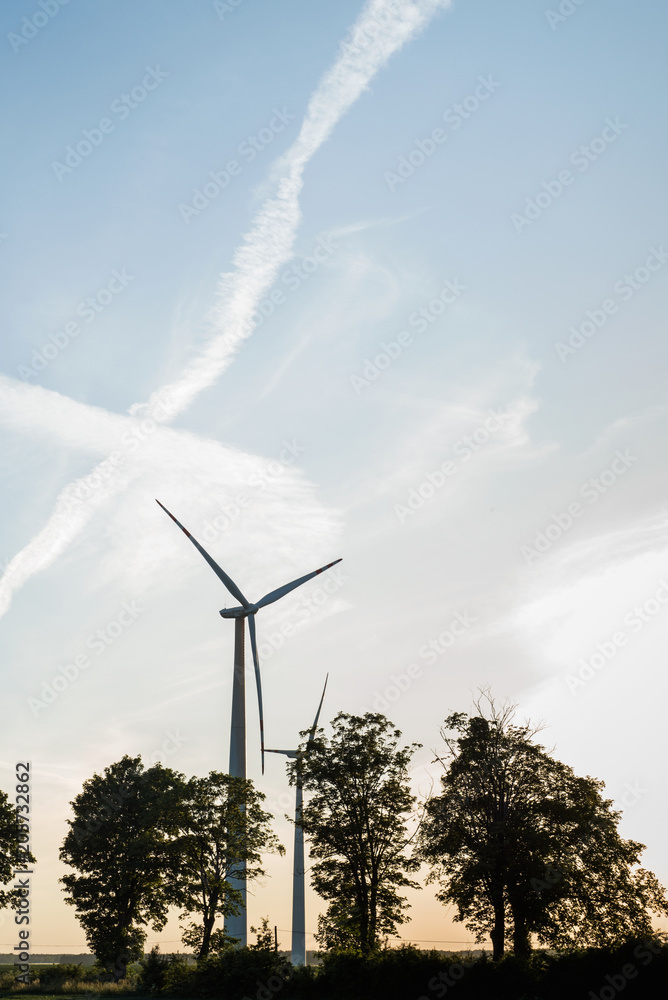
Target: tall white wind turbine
[(236, 925), (298, 874)]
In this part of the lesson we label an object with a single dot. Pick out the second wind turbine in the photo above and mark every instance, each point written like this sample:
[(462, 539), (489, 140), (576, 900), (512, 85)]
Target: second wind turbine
[(237, 925), (298, 871)]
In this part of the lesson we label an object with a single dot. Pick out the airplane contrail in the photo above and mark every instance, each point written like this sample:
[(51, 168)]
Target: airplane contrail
[(381, 29)]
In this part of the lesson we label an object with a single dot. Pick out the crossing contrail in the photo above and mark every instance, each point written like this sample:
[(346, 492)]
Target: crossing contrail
[(381, 29)]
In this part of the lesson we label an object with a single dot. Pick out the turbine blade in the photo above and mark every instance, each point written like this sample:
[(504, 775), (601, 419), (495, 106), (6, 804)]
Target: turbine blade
[(258, 681), (220, 573), (286, 753), (317, 714), (275, 595)]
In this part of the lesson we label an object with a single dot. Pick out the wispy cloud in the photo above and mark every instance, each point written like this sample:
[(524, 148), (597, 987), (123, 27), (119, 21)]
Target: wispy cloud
[(381, 29)]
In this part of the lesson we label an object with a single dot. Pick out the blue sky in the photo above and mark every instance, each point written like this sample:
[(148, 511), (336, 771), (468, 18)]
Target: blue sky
[(322, 424)]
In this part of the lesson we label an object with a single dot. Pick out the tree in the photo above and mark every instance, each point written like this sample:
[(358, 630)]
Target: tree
[(516, 839), (13, 852), (339, 926), (221, 824), (119, 842), (356, 819), (264, 939)]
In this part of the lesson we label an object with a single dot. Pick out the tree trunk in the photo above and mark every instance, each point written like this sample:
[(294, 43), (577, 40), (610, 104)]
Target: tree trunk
[(119, 966), (521, 942), (373, 906), (498, 934), (207, 928), (364, 923)]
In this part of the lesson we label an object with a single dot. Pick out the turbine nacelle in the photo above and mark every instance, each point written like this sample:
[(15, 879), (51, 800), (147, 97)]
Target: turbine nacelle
[(238, 612)]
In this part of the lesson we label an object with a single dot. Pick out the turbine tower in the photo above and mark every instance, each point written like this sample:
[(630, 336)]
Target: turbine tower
[(298, 875), (236, 925)]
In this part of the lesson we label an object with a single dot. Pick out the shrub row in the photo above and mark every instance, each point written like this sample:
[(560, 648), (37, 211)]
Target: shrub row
[(638, 970)]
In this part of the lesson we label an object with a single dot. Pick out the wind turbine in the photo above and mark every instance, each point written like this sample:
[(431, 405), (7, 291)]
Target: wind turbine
[(298, 876), (236, 925)]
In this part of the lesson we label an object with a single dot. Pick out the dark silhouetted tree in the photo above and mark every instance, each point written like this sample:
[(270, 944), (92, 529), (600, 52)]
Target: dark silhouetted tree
[(221, 824), (356, 818), (119, 843), (517, 840), (13, 850)]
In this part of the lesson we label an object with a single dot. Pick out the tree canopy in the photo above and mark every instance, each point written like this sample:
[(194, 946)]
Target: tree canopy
[(142, 840), (12, 853), (221, 824), (356, 821), (119, 843), (517, 840)]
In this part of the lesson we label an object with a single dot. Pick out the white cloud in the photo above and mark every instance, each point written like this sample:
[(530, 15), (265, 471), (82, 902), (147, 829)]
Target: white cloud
[(382, 28)]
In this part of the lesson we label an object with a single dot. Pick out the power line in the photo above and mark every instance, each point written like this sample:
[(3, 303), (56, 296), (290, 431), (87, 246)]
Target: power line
[(395, 937), (37, 947), (282, 930)]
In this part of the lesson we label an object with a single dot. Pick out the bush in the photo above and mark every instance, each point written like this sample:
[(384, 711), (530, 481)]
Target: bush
[(639, 969), (155, 970), (55, 975), (393, 973), (235, 974), (97, 973)]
